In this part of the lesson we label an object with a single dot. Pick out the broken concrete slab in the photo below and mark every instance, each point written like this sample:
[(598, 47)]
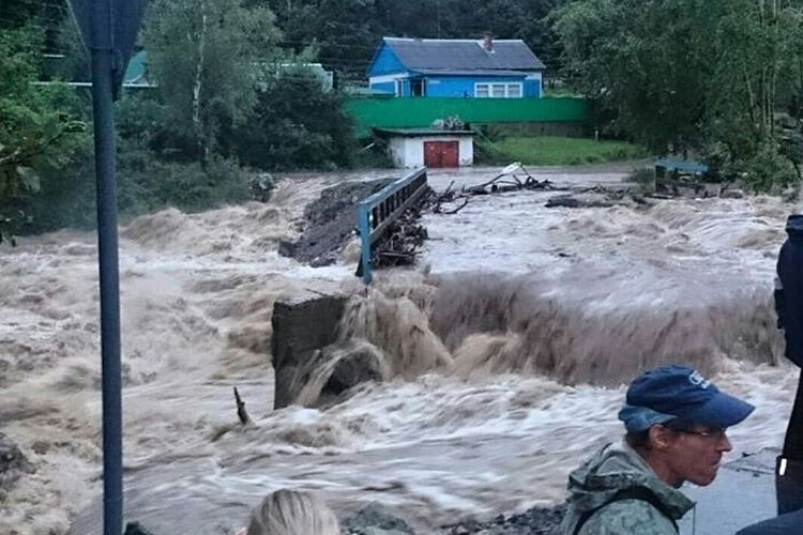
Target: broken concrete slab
[(302, 325)]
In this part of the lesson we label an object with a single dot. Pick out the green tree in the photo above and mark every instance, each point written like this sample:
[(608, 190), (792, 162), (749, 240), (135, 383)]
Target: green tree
[(754, 45), (639, 61), (347, 32), (346, 35), (45, 16), (204, 56), (297, 124), (710, 76), (36, 131)]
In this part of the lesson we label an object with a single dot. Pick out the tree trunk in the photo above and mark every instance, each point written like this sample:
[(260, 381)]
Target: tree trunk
[(203, 145), (751, 97)]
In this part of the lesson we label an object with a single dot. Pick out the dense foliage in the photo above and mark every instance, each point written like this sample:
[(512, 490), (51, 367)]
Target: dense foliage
[(37, 130), (203, 55), (717, 80), (226, 96), (720, 79), (295, 125), (347, 32)]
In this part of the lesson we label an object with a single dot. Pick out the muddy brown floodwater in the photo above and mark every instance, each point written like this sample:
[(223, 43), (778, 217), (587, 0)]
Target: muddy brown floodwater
[(542, 314)]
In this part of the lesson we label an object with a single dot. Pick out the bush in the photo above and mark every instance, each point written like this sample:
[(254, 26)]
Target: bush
[(375, 155), (764, 167), (67, 195), (486, 153), (486, 149), (67, 198), (766, 170), (148, 184), (492, 132)]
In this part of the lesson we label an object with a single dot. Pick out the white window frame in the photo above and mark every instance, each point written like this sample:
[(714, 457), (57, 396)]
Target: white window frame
[(508, 89)]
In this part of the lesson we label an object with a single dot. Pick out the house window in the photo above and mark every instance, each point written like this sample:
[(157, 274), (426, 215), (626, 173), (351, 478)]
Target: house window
[(499, 90)]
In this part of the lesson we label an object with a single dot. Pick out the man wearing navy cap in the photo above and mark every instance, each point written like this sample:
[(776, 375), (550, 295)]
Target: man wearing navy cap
[(675, 422)]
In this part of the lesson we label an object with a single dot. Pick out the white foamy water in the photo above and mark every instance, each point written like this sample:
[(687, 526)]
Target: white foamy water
[(197, 293)]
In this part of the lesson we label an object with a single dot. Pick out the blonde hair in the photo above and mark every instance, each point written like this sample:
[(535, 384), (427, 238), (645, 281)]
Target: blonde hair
[(291, 512)]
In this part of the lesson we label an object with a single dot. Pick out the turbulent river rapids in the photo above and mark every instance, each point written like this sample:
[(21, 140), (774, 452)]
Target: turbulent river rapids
[(509, 344)]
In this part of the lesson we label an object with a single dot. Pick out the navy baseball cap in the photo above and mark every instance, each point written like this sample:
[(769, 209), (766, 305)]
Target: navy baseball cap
[(669, 393)]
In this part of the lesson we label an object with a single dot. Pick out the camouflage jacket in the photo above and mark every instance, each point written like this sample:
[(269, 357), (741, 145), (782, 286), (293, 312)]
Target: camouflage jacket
[(612, 469)]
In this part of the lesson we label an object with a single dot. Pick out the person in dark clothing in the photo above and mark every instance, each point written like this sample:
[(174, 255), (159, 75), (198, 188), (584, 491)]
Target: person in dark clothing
[(789, 307), (788, 524), (789, 289), (789, 466)]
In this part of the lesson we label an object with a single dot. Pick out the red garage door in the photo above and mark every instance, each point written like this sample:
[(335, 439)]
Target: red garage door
[(440, 153)]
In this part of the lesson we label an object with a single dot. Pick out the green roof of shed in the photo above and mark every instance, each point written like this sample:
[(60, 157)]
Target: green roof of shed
[(682, 165)]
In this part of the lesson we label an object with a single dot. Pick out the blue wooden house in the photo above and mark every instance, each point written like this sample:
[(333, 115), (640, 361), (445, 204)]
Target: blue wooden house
[(484, 68)]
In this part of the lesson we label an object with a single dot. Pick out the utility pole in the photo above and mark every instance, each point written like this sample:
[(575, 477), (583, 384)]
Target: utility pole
[(103, 58), (109, 29)]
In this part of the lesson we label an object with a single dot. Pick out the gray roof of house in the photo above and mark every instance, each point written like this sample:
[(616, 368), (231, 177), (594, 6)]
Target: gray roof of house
[(471, 72), (464, 54)]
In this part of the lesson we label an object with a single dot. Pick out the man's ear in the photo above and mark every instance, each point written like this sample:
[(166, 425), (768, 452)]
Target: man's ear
[(660, 437)]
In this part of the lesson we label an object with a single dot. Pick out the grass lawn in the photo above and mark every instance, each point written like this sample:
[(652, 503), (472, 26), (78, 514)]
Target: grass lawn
[(548, 150)]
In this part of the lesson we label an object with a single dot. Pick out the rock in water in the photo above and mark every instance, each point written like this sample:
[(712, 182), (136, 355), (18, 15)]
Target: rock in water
[(535, 521), (134, 528), (374, 519), (12, 462)]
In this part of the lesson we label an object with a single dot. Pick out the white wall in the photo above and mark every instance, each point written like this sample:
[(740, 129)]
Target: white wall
[(413, 152), (408, 152), (465, 155), (398, 148)]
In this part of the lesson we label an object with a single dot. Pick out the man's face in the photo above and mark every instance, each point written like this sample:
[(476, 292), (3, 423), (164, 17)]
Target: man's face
[(694, 455)]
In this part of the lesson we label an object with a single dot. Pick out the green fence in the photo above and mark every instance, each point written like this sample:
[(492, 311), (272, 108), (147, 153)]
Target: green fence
[(384, 112)]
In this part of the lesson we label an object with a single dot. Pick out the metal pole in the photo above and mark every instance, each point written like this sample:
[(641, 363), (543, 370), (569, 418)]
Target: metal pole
[(102, 68), (364, 226)]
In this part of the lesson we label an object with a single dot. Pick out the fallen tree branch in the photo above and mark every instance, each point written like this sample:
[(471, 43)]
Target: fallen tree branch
[(242, 414), (503, 178), (450, 212), (400, 244)]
